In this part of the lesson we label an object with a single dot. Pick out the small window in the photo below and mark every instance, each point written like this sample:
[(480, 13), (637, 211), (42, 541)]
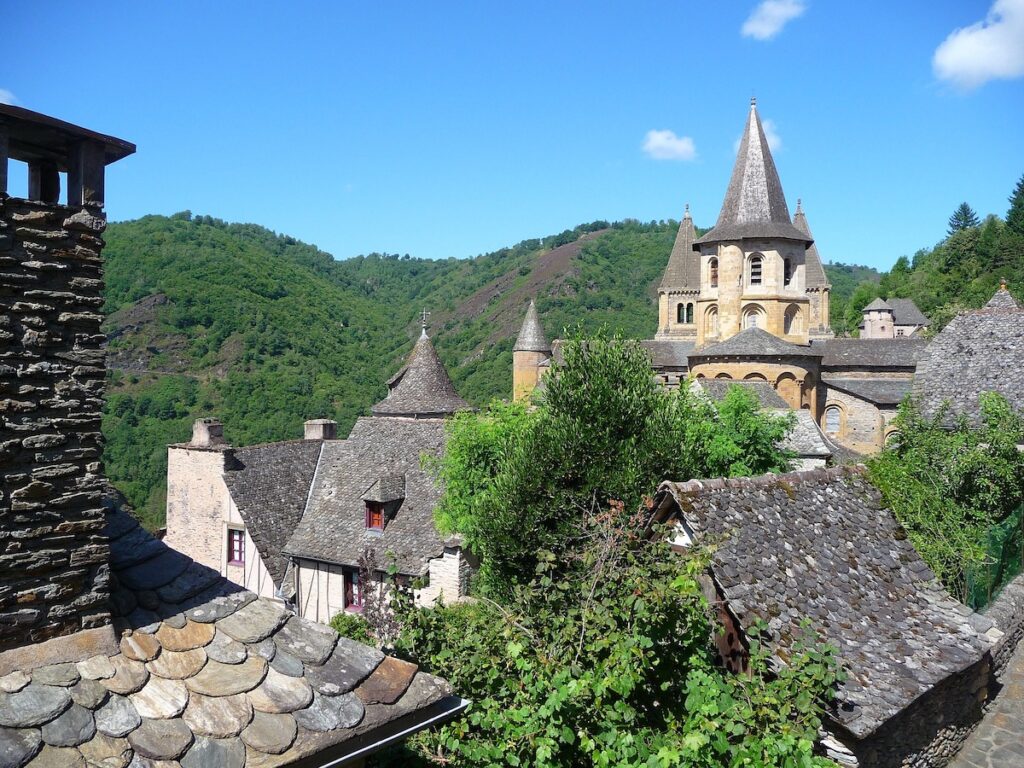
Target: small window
[(680, 313), (713, 271), (375, 515), (353, 590), (899, 331), (689, 313), (756, 262), (711, 322), (236, 547), (832, 420), (787, 270)]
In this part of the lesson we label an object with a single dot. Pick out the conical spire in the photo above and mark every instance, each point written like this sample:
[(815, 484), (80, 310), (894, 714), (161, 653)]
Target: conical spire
[(815, 276), (531, 335), (1002, 299), (683, 270), (754, 205), (423, 389)]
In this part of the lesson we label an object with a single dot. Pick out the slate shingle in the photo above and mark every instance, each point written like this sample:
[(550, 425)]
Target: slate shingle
[(899, 354)]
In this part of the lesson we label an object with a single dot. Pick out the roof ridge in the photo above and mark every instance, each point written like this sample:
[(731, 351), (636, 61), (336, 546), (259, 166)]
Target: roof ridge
[(768, 480)]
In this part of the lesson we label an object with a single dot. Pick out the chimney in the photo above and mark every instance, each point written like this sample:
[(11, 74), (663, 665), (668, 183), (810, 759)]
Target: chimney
[(207, 433), (320, 429), (54, 553)]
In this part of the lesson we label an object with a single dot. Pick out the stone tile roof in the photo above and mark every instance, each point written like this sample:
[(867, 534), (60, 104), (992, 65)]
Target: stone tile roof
[(763, 391), (905, 312), (683, 269), (814, 272), (820, 544), (1002, 299), (877, 304), (806, 439), (979, 351), (422, 388), (669, 354), (207, 675), (333, 528), (871, 353), (531, 336), (755, 342), (269, 485), (878, 391), (754, 205)]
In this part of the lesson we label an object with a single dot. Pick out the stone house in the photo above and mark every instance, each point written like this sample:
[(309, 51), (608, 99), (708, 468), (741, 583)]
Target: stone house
[(821, 545), (292, 520), (749, 300), (891, 319), (115, 649)]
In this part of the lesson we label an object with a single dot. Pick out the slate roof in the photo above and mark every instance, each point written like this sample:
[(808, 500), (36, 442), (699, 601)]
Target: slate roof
[(877, 391), (905, 312), (669, 354), (805, 439), (333, 527), (754, 205), (1002, 299), (814, 272), (207, 675), (683, 269), (755, 342), (531, 336), (763, 391), (422, 388), (979, 351), (269, 485), (820, 544), (901, 353), (877, 305)]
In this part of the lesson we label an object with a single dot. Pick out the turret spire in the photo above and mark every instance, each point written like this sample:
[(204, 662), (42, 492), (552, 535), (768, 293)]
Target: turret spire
[(423, 388), (683, 269), (531, 335)]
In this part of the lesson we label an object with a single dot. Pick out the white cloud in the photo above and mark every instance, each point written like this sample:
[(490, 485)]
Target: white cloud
[(6, 97), (770, 17), (989, 49), (665, 145), (771, 133)]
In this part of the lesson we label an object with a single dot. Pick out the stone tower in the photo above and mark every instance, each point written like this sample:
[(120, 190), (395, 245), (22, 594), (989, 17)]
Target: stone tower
[(680, 286), (530, 350), (755, 268), (54, 570)]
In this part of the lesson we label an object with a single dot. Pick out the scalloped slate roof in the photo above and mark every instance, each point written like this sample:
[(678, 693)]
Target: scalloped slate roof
[(981, 350), (531, 336), (878, 391), (269, 485), (207, 675), (683, 269), (755, 342), (901, 353), (422, 388), (821, 544), (754, 205), (333, 527)]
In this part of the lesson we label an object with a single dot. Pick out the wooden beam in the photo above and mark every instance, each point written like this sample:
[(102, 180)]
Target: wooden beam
[(4, 151), (75, 175), (92, 166), (43, 182), (35, 181)]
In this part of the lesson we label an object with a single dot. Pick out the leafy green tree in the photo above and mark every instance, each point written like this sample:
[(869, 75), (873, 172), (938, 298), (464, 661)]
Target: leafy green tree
[(963, 217), (1015, 216), (862, 295)]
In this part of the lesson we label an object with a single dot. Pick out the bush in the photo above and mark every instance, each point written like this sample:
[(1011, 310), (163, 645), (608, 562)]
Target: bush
[(352, 626)]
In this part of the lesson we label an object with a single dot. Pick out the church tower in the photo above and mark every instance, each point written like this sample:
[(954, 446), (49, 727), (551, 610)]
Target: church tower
[(680, 287), (530, 350), (756, 267)]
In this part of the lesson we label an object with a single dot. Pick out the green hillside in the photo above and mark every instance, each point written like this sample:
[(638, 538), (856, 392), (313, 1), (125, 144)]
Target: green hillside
[(207, 318)]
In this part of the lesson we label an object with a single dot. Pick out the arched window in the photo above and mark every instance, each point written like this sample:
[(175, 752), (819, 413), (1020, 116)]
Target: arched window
[(756, 265), (787, 271), (833, 420), (711, 321), (689, 313), (724, 376), (792, 320), (753, 316), (713, 272), (680, 313)]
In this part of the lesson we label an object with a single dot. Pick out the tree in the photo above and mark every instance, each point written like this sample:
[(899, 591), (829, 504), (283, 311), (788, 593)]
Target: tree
[(1015, 216), (963, 217)]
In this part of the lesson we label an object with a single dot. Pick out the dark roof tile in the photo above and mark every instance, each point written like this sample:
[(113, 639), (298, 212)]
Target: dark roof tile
[(531, 335), (755, 342), (423, 388), (900, 353), (878, 391)]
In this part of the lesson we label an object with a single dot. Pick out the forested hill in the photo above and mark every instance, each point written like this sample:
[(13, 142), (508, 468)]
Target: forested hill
[(231, 320)]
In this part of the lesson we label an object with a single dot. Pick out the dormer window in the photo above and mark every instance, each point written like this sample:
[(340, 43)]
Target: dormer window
[(375, 515)]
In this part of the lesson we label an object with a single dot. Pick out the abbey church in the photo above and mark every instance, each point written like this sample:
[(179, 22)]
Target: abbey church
[(749, 301)]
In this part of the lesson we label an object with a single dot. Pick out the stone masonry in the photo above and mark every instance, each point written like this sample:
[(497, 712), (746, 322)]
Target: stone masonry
[(54, 577)]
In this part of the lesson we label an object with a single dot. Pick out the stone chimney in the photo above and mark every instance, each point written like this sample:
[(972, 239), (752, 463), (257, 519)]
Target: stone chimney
[(54, 571), (207, 433), (321, 429)]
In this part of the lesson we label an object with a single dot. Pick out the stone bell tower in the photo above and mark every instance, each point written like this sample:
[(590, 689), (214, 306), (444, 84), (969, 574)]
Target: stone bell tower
[(54, 570)]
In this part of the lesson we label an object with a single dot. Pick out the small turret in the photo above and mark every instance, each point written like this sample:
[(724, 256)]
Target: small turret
[(531, 349)]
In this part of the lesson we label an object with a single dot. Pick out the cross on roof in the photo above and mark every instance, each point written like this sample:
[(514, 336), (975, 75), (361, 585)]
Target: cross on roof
[(425, 314)]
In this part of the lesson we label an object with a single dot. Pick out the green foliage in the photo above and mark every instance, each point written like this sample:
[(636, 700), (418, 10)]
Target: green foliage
[(518, 481), (602, 659), (1015, 216), (845, 279), (963, 217), (353, 626), (948, 487)]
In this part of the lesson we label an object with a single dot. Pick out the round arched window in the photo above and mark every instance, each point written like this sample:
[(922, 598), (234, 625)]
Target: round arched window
[(756, 265), (833, 420)]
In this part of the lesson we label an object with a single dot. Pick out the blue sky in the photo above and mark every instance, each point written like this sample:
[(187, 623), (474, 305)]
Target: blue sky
[(452, 129)]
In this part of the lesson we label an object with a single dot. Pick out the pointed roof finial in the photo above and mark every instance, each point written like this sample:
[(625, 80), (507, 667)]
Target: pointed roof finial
[(799, 205), (1002, 283), (753, 102), (423, 319), (686, 213)]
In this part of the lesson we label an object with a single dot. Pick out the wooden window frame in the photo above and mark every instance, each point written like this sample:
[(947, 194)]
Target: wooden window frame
[(353, 590), (236, 536), (375, 515)]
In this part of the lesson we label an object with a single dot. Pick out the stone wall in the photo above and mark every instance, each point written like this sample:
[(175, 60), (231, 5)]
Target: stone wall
[(448, 578), (197, 502), (1007, 612), (54, 576), (862, 424)]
